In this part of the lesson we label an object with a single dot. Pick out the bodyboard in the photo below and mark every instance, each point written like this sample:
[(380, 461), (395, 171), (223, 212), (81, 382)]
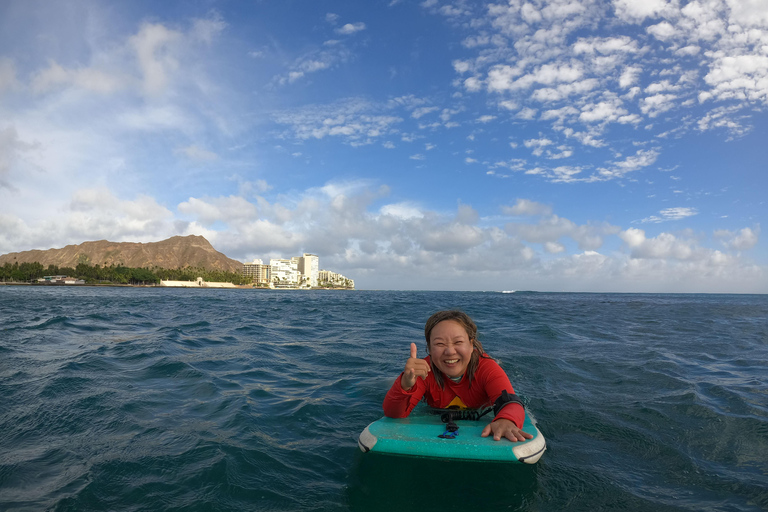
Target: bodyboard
[(418, 436)]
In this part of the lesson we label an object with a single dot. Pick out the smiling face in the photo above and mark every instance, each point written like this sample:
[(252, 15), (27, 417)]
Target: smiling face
[(450, 348)]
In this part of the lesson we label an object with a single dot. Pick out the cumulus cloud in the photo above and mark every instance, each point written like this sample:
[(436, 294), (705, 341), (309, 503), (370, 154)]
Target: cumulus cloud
[(220, 209), (741, 240), (403, 242), (351, 28), (552, 229), (527, 207), (664, 246), (97, 214)]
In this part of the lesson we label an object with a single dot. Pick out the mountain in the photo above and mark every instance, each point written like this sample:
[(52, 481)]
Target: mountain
[(175, 252)]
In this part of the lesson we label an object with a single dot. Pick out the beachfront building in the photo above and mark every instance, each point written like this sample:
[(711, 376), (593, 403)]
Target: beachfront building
[(285, 272), (333, 279), (198, 283), (258, 272), (296, 272), (309, 266)]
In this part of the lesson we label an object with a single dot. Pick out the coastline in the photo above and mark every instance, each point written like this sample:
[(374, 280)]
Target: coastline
[(117, 285)]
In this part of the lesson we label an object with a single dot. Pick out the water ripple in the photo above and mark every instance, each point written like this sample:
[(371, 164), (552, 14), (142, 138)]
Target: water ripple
[(160, 399)]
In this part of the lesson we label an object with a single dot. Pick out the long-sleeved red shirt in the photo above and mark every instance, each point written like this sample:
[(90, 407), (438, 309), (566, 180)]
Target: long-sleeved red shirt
[(488, 383)]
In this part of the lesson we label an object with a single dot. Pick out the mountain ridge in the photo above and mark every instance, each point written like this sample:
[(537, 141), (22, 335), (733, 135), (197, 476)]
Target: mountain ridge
[(172, 253)]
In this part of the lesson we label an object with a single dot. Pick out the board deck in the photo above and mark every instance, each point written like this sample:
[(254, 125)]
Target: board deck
[(417, 436)]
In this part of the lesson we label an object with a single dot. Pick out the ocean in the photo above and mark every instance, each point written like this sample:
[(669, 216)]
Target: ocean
[(136, 399)]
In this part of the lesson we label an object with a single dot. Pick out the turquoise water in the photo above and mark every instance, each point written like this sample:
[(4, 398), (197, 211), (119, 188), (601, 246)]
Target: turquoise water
[(162, 399)]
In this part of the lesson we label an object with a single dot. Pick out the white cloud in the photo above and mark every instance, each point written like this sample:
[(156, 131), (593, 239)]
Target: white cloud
[(153, 45), (657, 104), (422, 111), (402, 211), (221, 209), (88, 79), (538, 145), (96, 214), (741, 240), (605, 111), (751, 13), (668, 214), (351, 28), (636, 11), (403, 244), (354, 120), (643, 158), (554, 247), (552, 229), (663, 30), (663, 246), (527, 207), (329, 56), (208, 29)]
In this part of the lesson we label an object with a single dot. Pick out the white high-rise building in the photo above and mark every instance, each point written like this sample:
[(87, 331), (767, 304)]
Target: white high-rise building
[(309, 266), (285, 272)]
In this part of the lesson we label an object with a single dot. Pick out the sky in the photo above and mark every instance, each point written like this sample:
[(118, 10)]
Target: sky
[(560, 145)]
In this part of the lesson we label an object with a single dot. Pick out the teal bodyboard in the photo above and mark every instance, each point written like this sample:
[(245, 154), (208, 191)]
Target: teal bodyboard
[(418, 436)]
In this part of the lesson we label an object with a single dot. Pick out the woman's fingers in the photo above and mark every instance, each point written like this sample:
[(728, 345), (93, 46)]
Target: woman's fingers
[(503, 428), (414, 368)]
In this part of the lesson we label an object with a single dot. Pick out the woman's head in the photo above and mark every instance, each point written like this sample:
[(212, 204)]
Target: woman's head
[(452, 345)]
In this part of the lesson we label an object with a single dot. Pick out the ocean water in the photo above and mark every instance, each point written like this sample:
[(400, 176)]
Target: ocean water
[(164, 399)]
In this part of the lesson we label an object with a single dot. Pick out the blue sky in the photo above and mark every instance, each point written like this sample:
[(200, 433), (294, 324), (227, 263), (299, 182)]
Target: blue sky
[(581, 145)]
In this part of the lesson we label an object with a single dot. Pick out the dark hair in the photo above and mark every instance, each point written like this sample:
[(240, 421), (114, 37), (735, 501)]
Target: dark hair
[(466, 322)]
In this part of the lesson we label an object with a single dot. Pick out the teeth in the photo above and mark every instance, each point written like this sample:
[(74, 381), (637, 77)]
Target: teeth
[(452, 361)]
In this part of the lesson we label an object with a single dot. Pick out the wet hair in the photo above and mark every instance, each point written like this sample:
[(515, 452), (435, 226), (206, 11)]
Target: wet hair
[(469, 326)]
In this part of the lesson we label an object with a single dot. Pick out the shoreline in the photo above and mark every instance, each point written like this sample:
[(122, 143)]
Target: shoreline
[(117, 285)]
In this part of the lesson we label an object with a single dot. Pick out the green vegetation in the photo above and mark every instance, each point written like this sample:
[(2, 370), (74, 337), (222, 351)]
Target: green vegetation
[(28, 272), (345, 283)]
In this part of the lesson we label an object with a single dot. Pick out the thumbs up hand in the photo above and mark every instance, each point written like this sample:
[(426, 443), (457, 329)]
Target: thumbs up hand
[(414, 368)]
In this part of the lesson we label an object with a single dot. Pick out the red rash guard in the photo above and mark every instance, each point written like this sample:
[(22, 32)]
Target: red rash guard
[(488, 383)]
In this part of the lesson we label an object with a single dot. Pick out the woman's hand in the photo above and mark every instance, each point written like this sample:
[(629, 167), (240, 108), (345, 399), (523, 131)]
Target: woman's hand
[(414, 368), (505, 428)]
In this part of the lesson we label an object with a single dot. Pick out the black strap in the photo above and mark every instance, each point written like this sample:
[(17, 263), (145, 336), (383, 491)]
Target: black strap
[(463, 414), (505, 399)]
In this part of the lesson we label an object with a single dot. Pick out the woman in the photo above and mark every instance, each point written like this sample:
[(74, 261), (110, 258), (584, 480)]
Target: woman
[(457, 373)]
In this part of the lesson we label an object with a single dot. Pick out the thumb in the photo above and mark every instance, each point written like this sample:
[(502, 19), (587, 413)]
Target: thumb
[(414, 351)]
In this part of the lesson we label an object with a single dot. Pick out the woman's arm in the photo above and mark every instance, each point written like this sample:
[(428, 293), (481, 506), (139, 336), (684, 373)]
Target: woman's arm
[(495, 382), (400, 402), (408, 388)]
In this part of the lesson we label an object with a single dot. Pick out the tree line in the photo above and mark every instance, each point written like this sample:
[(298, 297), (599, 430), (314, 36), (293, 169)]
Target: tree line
[(116, 274)]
